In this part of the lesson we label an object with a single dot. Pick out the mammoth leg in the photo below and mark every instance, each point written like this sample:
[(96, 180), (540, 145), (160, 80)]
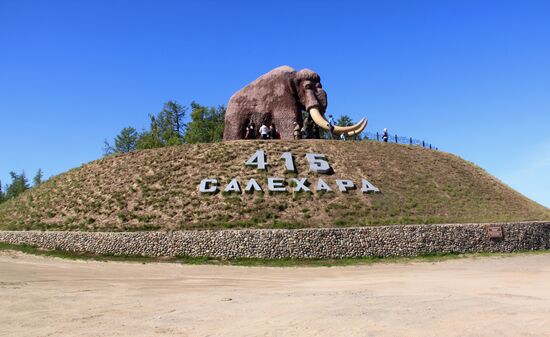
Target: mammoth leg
[(235, 127), (284, 123)]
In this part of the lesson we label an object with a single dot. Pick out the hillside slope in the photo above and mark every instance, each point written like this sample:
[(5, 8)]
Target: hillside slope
[(158, 189)]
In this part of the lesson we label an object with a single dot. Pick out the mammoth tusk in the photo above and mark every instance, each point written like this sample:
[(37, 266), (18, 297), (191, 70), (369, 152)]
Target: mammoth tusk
[(322, 122), (342, 129), (358, 131), (318, 119)]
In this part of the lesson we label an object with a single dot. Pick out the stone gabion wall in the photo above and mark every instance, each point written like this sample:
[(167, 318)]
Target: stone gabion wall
[(396, 240)]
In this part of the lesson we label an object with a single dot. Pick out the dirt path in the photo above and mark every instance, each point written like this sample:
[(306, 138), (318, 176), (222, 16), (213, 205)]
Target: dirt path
[(470, 297)]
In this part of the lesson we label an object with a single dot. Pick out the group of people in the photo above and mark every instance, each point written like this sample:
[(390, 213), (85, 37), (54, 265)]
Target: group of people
[(264, 132), (309, 130)]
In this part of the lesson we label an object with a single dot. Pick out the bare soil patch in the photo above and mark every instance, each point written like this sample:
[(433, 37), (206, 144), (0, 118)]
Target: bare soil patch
[(42, 296)]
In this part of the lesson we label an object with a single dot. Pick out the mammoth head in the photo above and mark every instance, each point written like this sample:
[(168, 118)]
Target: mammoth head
[(313, 99), (310, 91)]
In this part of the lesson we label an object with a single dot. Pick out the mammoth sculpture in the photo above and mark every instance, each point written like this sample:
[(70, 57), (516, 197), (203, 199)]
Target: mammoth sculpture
[(279, 97)]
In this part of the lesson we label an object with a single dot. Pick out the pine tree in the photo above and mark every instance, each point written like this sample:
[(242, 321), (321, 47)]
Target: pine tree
[(170, 123), (150, 139), (206, 125), (126, 140), (19, 184), (344, 120), (166, 128), (37, 180), (171, 119)]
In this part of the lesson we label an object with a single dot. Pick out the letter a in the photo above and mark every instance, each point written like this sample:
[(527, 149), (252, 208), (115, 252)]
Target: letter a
[(322, 186), (233, 186), (252, 186), (368, 187)]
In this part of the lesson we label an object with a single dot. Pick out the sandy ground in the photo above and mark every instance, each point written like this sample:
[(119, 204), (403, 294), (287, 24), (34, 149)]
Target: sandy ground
[(470, 297)]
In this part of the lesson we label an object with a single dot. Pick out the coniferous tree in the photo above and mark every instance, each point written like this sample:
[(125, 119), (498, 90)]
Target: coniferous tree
[(37, 180), (150, 139), (19, 184), (344, 120), (171, 121), (126, 140), (167, 127), (206, 124)]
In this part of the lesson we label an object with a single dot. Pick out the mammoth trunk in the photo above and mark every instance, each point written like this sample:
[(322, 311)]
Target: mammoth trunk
[(312, 101)]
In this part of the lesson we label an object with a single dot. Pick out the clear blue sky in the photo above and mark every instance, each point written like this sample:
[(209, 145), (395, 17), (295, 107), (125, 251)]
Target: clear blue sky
[(472, 77)]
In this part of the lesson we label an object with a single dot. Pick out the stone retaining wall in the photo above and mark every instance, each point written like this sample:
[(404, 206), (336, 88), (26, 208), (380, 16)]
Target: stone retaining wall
[(396, 240)]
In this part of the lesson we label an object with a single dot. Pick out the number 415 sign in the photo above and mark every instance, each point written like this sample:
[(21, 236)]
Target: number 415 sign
[(317, 163)]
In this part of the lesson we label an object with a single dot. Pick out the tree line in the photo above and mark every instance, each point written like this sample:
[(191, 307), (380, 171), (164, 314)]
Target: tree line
[(19, 184), (167, 128)]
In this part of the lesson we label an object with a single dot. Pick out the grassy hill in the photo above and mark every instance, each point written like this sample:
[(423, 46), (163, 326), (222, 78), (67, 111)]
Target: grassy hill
[(158, 189)]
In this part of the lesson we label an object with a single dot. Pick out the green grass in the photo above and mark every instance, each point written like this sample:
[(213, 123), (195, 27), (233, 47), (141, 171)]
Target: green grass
[(255, 262)]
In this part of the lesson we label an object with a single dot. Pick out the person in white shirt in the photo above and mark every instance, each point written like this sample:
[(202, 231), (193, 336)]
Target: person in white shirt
[(264, 132), (385, 136)]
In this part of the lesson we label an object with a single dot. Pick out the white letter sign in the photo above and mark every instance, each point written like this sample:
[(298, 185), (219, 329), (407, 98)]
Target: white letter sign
[(233, 186), (317, 163), (345, 185), (258, 160), (208, 186), (276, 184), (369, 188)]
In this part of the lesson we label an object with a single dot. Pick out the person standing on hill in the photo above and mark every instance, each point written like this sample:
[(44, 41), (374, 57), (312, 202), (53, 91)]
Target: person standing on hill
[(272, 131), (315, 131), (385, 136), (264, 131), (331, 124), (250, 131), (297, 134), (306, 129)]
